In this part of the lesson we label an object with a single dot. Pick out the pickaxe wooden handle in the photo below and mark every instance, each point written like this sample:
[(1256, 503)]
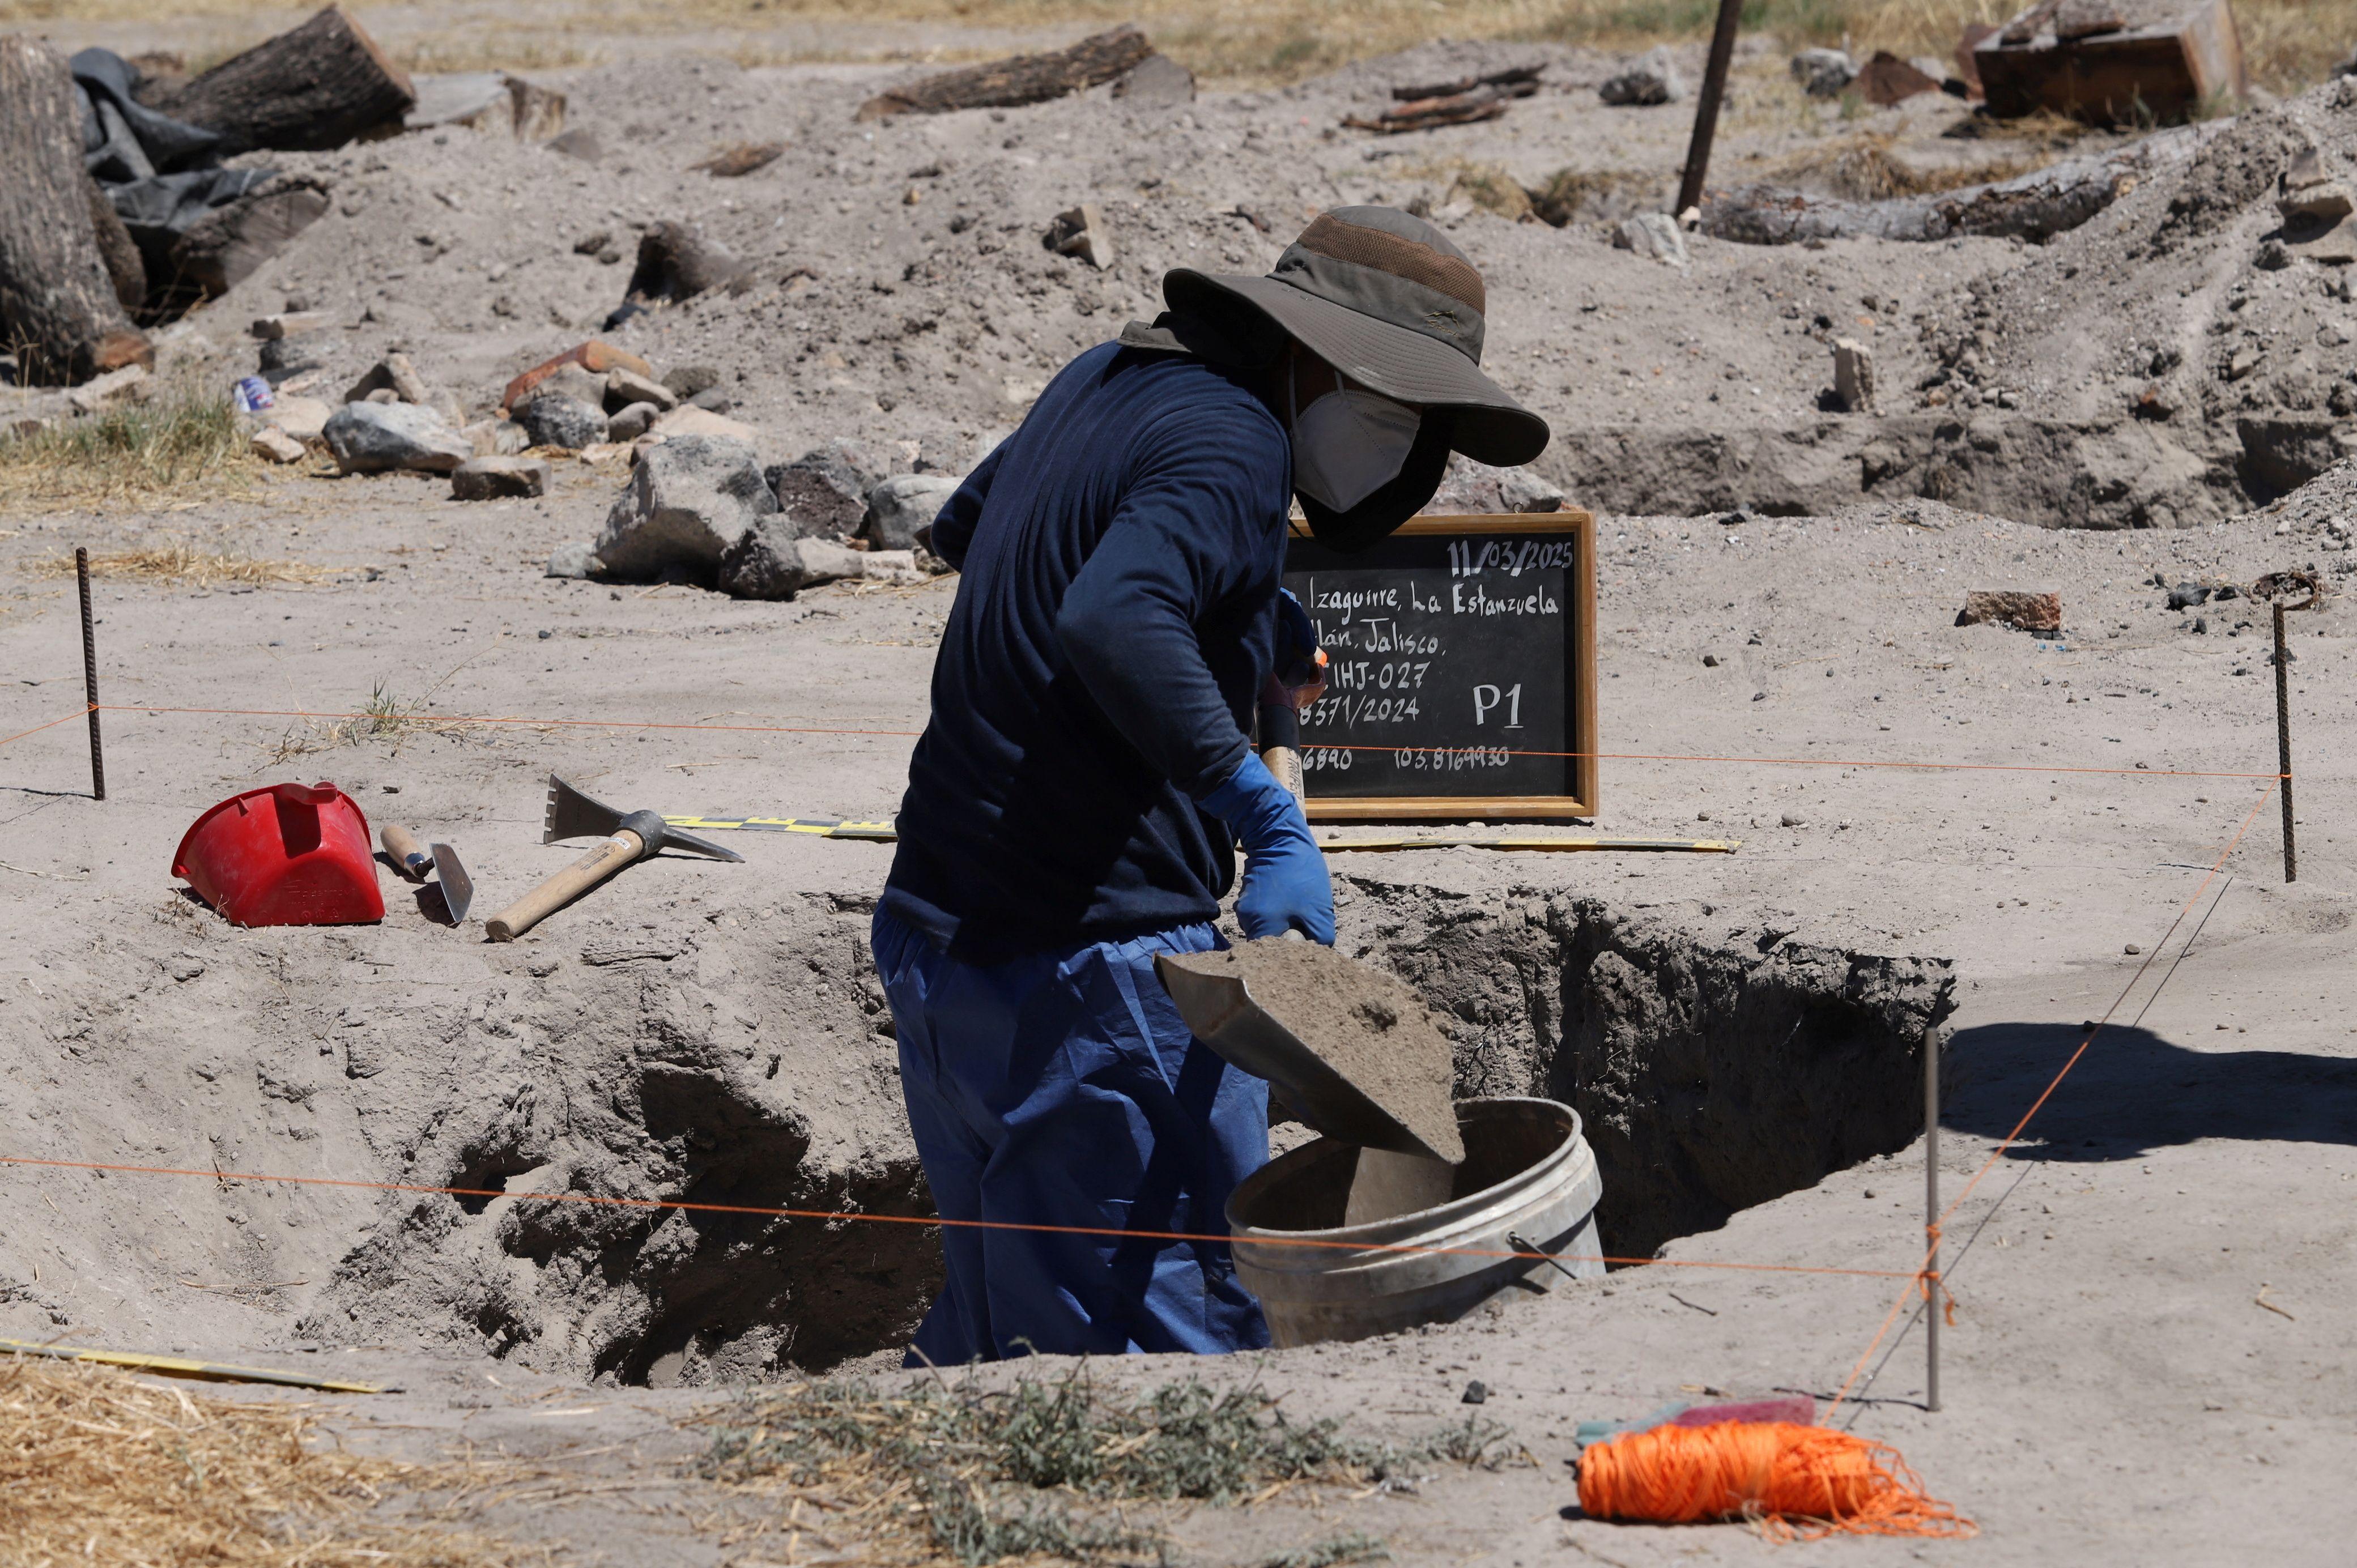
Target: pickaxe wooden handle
[(566, 886)]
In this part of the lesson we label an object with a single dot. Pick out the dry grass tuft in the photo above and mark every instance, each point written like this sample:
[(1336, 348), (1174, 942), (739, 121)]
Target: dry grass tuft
[(181, 562), (978, 1475), (99, 1467), (383, 717), (176, 445)]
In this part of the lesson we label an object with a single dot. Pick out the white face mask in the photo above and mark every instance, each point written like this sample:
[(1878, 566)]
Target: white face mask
[(1348, 444)]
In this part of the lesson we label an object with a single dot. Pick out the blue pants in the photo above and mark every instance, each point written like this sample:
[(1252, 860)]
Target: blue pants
[(1063, 1089)]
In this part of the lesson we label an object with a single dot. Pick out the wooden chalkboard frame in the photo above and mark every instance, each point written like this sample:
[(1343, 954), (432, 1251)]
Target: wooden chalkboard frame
[(1583, 800)]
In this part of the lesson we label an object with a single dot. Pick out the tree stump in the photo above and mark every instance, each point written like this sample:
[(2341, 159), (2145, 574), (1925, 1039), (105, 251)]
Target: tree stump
[(58, 304), (1019, 79), (117, 248), (305, 91)]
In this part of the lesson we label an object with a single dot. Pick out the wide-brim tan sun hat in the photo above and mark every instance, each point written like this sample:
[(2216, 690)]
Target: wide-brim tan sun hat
[(1384, 297)]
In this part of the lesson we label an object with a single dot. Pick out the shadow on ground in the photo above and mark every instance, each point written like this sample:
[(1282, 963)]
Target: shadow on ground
[(2134, 1092)]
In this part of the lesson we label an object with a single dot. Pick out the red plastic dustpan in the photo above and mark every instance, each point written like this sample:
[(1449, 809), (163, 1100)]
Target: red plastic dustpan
[(286, 854)]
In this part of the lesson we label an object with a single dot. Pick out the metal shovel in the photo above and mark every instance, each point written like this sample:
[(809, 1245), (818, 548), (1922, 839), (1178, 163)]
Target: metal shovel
[(1400, 1170)]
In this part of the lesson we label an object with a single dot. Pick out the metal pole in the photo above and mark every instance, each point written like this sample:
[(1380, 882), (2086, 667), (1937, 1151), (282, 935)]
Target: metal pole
[(90, 675), (2283, 742), (1932, 1217), (1714, 87)]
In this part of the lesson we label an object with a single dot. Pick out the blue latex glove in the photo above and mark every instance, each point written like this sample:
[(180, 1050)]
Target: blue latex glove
[(1285, 884)]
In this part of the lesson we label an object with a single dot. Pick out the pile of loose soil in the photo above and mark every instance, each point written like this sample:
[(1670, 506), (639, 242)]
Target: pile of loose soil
[(1366, 1024)]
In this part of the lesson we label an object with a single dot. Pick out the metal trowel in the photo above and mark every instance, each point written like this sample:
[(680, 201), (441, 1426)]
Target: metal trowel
[(416, 860)]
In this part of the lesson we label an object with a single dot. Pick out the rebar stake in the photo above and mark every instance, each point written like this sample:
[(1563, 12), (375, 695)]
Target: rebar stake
[(1932, 1217), (1714, 88), (2283, 742), (90, 675)]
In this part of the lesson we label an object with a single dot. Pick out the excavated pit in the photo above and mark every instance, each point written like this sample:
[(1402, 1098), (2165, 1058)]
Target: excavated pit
[(1715, 1068), (706, 1049)]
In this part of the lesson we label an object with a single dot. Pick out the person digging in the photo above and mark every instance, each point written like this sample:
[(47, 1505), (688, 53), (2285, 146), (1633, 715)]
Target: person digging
[(1076, 799)]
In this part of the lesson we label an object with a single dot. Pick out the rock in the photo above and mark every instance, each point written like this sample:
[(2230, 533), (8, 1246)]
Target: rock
[(1854, 375), (824, 493), (688, 500), (689, 381), (768, 562), (286, 323), (2241, 362), (1650, 80), (596, 356), (1520, 490), (552, 419), (2023, 612), (572, 382), (2185, 595), (392, 373), (303, 418), (272, 445), (1888, 80), (624, 388), (576, 559), (631, 423), (1154, 82), (129, 384), (1470, 489), (381, 394), (2308, 195), (496, 437), (499, 478), (490, 102), (378, 437), (1823, 73), (1080, 231), (898, 566), (712, 399), (580, 142), (689, 420), (1652, 234), (901, 505)]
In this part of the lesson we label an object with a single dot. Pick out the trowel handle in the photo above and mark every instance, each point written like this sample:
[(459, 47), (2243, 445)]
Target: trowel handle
[(564, 887), (406, 852)]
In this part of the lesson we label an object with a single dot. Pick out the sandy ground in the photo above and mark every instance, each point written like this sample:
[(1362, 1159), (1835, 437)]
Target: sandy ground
[(2115, 1389)]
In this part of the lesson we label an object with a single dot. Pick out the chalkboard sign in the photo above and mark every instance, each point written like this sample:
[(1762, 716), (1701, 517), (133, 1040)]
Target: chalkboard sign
[(1463, 674)]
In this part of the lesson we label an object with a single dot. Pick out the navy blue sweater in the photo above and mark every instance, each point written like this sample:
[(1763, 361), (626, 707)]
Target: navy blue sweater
[(1121, 554)]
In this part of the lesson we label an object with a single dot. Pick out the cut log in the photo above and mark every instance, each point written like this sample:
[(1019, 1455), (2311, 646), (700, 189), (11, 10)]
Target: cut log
[(1516, 77), (221, 249), (58, 304), (676, 262), (1456, 109), (305, 91), (1020, 80), (117, 248), (2035, 206)]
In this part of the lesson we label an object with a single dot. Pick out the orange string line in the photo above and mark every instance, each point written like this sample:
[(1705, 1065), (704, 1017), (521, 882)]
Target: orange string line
[(78, 713), (1922, 1273), (1431, 750), (682, 1204)]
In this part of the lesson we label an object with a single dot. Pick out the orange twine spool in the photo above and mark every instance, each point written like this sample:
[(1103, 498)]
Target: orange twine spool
[(1796, 1482)]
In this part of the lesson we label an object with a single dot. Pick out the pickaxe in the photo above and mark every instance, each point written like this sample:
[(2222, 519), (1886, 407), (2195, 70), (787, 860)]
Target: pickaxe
[(629, 837)]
